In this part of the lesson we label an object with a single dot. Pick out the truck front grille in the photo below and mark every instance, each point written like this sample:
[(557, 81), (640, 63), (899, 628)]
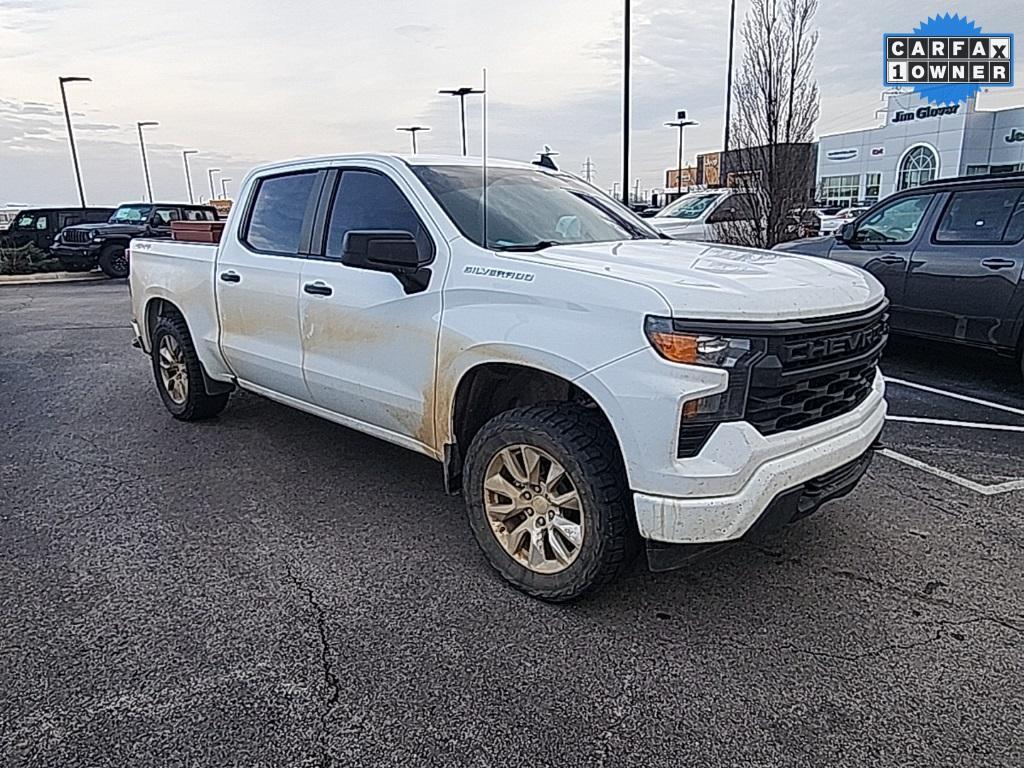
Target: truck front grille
[(811, 375)]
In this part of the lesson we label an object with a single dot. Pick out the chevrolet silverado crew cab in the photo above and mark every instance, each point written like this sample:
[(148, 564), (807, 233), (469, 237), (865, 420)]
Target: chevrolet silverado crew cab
[(587, 384)]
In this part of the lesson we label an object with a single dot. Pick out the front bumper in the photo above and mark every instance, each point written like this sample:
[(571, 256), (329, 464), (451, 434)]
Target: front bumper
[(709, 519), (787, 507), (77, 254)]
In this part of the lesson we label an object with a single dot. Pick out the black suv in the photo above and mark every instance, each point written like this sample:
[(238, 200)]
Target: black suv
[(85, 246), (39, 226), (949, 254)]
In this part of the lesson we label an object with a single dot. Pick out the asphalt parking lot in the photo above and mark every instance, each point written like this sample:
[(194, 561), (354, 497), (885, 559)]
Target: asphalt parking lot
[(269, 589)]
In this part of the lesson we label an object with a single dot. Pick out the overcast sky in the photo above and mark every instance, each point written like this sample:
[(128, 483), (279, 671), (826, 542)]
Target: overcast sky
[(249, 81)]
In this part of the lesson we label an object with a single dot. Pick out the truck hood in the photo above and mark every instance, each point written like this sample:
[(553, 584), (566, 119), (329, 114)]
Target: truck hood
[(669, 224), (811, 246), (705, 281)]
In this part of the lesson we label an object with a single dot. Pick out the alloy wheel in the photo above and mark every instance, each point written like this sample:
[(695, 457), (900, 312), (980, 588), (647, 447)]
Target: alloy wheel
[(533, 508), (173, 370)]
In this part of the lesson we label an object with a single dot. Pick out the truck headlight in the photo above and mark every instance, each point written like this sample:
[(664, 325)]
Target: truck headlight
[(677, 343)]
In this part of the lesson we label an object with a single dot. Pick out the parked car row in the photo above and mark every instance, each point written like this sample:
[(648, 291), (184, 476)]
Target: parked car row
[(950, 253), (84, 238)]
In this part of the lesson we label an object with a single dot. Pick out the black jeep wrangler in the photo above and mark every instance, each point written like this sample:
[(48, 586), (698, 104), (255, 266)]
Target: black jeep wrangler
[(85, 246), (39, 226)]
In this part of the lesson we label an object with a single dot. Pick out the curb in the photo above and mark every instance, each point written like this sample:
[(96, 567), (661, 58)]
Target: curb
[(52, 277)]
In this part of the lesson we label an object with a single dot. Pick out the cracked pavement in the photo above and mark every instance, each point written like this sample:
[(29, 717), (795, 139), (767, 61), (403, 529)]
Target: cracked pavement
[(269, 589)]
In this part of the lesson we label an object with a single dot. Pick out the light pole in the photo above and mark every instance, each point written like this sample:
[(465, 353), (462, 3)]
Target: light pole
[(722, 177), (188, 176), (224, 188), (71, 135), (625, 106), (210, 172), (145, 162), (412, 130), (680, 122), (462, 93)]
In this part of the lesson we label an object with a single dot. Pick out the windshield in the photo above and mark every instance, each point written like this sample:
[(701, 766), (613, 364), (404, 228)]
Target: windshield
[(688, 206), (131, 214), (529, 209)]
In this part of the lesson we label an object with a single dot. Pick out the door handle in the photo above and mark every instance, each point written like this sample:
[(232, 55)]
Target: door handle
[(318, 288), (891, 259), (998, 263), (231, 277)]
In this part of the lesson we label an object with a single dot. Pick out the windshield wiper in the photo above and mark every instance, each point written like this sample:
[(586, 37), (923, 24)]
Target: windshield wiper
[(527, 247)]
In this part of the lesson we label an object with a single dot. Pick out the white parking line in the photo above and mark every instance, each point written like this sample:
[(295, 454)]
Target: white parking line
[(963, 482), (986, 490), (956, 395), (952, 423)]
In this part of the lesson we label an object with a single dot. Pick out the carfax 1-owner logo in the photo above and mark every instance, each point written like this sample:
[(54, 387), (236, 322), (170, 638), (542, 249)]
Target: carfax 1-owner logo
[(948, 59)]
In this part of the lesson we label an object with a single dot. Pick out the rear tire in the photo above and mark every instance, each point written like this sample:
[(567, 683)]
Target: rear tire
[(179, 375), (555, 537), (114, 261)]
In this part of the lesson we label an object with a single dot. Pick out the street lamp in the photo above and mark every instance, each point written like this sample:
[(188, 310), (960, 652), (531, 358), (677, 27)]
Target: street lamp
[(461, 93), (412, 131), (145, 162), (224, 188), (210, 172), (681, 122), (71, 135), (188, 176)]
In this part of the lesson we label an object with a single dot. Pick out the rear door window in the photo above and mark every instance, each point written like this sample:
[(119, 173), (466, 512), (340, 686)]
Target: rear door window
[(981, 216), (279, 211)]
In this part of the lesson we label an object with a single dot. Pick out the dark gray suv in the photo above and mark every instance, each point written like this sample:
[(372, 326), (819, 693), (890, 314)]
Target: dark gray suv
[(949, 254)]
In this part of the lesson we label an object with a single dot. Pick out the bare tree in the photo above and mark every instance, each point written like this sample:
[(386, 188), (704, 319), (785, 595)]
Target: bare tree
[(777, 107)]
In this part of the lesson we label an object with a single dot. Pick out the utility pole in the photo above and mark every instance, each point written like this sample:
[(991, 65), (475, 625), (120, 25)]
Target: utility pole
[(636, 191), (188, 176), (71, 135), (145, 162), (462, 93), (224, 188), (722, 178), (209, 173), (625, 105), (412, 130), (680, 122), (588, 170)]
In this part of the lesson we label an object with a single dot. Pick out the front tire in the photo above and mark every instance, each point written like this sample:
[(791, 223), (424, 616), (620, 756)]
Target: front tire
[(178, 374), (114, 261), (548, 500)]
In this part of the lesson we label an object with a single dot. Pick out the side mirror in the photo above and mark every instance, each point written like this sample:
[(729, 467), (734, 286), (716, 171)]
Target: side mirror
[(846, 232), (386, 250)]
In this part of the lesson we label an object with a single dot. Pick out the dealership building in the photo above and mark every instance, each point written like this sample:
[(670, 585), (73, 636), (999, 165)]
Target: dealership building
[(917, 143)]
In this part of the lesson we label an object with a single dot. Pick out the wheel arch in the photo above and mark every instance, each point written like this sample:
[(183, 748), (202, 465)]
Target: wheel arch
[(489, 388), (161, 306)]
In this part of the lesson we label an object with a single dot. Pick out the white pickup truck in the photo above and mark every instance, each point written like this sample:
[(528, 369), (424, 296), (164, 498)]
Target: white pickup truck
[(587, 384)]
